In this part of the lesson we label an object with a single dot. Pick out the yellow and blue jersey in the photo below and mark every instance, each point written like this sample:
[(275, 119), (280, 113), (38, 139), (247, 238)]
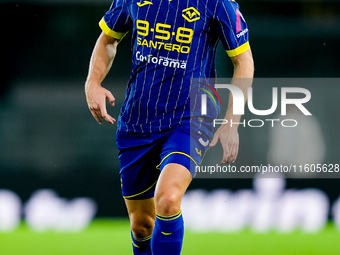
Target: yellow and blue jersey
[(173, 41)]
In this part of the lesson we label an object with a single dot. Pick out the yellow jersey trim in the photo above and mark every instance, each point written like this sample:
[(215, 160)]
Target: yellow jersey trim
[(110, 32), (127, 197), (239, 50), (178, 152)]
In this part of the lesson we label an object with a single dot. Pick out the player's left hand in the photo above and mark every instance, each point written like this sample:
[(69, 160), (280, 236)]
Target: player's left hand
[(229, 139)]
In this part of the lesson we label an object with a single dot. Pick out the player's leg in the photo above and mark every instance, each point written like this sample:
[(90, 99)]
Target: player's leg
[(167, 237), (138, 161), (142, 220)]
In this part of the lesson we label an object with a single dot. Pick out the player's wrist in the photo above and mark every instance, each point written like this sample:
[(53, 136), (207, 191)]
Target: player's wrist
[(232, 121), (91, 83)]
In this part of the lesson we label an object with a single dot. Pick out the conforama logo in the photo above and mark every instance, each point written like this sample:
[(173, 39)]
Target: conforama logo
[(191, 14)]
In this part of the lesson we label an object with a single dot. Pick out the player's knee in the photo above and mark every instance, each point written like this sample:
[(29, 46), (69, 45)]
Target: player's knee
[(142, 226), (168, 203)]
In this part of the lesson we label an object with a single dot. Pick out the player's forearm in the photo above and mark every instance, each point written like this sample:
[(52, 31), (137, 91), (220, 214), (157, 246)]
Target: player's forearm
[(242, 78), (101, 60)]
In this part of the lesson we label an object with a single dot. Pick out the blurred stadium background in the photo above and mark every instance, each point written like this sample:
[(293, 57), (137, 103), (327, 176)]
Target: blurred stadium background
[(49, 140)]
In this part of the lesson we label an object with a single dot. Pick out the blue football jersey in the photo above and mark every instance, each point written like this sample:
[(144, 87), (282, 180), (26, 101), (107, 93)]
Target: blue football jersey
[(173, 42)]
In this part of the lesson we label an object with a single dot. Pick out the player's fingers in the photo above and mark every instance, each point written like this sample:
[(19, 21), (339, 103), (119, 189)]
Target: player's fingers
[(233, 154), (214, 140), (96, 116), (224, 160), (103, 111), (110, 97), (106, 116), (226, 154), (109, 119)]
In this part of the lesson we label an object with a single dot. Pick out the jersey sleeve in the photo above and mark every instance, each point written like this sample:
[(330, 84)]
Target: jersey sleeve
[(116, 21), (232, 28)]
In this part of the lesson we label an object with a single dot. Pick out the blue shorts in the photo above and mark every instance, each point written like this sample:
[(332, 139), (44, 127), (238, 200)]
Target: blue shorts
[(143, 156)]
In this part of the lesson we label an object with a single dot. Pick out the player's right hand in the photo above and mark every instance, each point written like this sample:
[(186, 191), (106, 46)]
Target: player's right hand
[(96, 100)]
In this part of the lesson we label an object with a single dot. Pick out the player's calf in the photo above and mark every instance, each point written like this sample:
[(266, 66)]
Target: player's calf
[(141, 246), (142, 219)]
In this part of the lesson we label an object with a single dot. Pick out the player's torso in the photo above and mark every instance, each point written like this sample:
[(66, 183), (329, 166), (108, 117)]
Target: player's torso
[(172, 42)]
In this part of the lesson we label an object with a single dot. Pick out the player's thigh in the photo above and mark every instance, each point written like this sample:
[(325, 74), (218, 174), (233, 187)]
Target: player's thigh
[(186, 146), (139, 157), (142, 216)]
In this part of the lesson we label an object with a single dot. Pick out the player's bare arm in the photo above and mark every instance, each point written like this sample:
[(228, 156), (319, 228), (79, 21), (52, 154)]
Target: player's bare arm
[(228, 135), (100, 64)]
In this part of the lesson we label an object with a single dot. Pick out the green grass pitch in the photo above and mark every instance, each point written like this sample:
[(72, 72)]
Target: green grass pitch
[(111, 237)]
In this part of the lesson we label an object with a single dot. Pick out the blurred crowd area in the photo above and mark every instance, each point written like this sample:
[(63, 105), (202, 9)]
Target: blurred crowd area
[(49, 140)]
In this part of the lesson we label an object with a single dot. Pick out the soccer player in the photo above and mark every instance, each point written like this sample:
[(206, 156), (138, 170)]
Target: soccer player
[(161, 131)]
